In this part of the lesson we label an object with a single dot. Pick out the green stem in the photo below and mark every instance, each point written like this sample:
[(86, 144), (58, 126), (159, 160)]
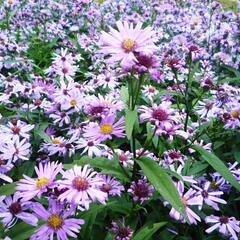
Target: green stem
[(186, 92), (147, 143)]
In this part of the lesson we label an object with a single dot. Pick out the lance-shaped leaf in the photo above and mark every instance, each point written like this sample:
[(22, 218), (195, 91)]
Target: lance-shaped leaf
[(218, 165), (162, 183), (131, 118), (146, 232), (8, 189)]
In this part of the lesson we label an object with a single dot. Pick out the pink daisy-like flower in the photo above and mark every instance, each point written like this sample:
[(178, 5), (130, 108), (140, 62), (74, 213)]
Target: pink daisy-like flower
[(56, 221), (228, 226), (123, 44), (15, 129), (4, 168), (91, 147), (46, 174), (209, 197), (141, 190), (188, 199), (15, 150), (12, 209), (106, 129), (83, 186), (73, 100), (162, 115), (111, 186), (173, 156), (121, 231)]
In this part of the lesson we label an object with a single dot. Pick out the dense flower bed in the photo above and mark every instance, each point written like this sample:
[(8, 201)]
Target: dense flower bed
[(119, 120)]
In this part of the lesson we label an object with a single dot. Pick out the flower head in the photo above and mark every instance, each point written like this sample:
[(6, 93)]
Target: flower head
[(121, 231), (46, 174), (123, 44), (83, 186), (111, 186), (12, 209), (106, 129), (57, 222), (141, 190), (228, 226)]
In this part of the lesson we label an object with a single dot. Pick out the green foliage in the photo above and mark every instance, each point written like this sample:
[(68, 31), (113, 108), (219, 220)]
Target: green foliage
[(105, 165), (218, 165), (8, 189), (130, 120), (162, 183), (146, 232)]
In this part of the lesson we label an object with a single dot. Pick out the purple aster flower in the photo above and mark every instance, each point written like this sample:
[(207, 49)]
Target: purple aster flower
[(4, 168), (111, 186), (228, 226), (141, 190), (91, 147), (121, 231), (46, 174), (209, 197), (50, 131), (57, 222), (162, 115), (106, 129), (12, 209), (83, 186), (188, 199), (123, 44), (173, 155)]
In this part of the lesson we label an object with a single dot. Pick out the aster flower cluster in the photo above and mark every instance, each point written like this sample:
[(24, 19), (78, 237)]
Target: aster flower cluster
[(119, 119)]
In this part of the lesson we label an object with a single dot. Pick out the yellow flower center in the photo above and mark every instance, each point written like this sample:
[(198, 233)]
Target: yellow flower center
[(55, 221), (214, 185), (41, 182), (106, 128), (128, 44), (55, 141), (235, 114), (10, 1), (73, 102)]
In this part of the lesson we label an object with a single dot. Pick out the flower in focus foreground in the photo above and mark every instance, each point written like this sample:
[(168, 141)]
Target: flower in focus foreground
[(82, 184), (30, 187), (57, 222), (123, 44)]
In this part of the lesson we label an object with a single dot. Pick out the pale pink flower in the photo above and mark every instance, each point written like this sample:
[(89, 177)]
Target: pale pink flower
[(106, 129), (46, 174), (188, 199), (124, 43), (15, 130), (82, 184), (209, 197), (162, 116), (15, 150), (91, 147), (12, 209), (228, 226)]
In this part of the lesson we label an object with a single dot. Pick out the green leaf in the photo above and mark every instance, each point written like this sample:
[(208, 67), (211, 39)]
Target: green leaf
[(104, 164), (162, 183), (197, 168), (218, 165), (89, 218), (40, 131), (131, 117), (124, 94), (21, 231), (8, 189), (146, 232)]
